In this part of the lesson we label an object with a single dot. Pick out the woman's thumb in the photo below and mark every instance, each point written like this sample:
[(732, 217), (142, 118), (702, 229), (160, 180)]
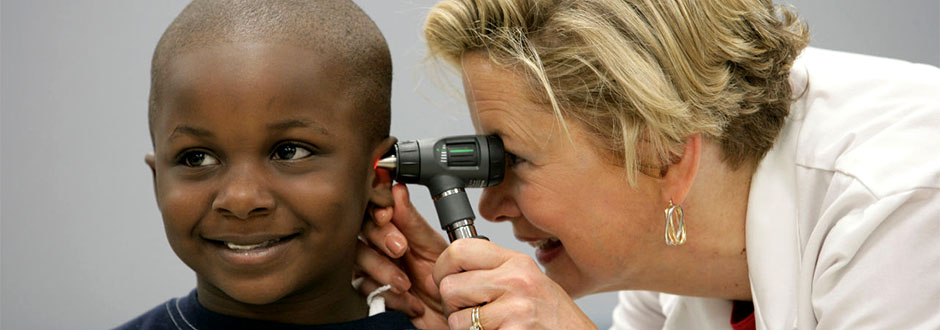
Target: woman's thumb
[(408, 220)]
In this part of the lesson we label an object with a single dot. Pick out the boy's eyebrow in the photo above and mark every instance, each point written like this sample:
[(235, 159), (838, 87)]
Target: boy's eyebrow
[(297, 123), (183, 129)]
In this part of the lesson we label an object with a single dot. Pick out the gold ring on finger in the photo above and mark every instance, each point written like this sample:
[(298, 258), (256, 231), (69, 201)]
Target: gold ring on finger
[(475, 319)]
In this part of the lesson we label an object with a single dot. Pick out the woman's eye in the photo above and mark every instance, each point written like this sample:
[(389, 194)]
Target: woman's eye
[(512, 160), (197, 159), (290, 151)]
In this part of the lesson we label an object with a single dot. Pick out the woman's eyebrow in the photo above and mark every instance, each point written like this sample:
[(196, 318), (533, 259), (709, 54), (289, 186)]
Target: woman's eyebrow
[(297, 123)]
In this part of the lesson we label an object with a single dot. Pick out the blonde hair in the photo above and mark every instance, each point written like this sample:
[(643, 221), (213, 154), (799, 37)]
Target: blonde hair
[(640, 71)]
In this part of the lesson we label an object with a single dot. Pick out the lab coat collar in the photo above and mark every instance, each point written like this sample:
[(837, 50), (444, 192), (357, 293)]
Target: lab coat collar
[(772, 232)]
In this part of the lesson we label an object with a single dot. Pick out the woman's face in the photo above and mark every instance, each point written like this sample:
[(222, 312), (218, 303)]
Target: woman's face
[(592, 231)]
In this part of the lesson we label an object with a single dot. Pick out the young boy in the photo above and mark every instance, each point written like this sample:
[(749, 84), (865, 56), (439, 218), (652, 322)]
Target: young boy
[(266, 119)]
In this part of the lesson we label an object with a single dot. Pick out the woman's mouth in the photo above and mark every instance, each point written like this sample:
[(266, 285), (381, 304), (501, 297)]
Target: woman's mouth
[(547, 249)]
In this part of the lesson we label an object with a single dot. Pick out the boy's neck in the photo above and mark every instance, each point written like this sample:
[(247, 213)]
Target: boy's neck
[(336, 304)]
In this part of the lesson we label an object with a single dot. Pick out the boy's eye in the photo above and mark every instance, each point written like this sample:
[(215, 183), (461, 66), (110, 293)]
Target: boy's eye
[(290, 151), (512, 160), (197, 158)]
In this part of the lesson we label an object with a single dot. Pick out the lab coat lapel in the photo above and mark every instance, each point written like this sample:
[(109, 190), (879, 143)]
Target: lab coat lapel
[(772, 234)]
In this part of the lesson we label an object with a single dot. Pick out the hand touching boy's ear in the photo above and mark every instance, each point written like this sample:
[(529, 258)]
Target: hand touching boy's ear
[(381, 191), (381, 200)]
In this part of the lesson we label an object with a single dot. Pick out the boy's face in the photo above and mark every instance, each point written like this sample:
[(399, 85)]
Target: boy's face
[(262, 171)]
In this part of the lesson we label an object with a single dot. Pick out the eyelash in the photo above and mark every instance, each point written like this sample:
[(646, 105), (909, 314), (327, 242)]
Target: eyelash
[(297, 148), (512, 160), (189, 157), (184, 158)]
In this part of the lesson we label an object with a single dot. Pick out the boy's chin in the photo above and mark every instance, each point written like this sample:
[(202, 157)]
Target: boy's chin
[(244, 293), (254, 296)]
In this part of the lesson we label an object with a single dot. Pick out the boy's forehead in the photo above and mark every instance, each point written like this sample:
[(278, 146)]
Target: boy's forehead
[(254, 75), (337, 33), (255, 61)]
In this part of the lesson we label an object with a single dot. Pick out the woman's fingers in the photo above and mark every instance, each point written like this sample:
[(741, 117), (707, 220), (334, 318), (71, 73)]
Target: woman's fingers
[(511, 289), (472, 254), (505, 313), (380, 268), (489, 317), (383, 235), (406, 218), (468, 289), (516, 295), (517, 277), (394, 229)]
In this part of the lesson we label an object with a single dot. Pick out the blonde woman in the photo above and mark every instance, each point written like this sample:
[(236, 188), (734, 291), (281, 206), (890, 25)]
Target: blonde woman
[(691, 154)]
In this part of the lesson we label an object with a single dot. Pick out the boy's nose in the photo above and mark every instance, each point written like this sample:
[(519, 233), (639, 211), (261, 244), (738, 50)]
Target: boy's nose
[(244, 196)]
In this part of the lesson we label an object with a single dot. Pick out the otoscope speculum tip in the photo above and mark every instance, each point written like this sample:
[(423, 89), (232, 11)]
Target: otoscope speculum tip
[(390, 162)]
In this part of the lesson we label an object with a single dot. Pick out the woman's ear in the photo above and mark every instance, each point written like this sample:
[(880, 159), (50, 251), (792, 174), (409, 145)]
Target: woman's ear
[(381, 188), (680, 174)]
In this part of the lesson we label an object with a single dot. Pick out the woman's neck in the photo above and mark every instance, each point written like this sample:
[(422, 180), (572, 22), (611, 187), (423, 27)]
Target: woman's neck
[(713, 262)]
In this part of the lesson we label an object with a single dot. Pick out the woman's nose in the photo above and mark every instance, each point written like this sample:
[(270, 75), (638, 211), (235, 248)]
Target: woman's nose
[(497, 203), (244, 195)]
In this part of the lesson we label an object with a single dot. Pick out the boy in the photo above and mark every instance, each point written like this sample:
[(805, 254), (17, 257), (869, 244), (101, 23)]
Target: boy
[(266, 118)]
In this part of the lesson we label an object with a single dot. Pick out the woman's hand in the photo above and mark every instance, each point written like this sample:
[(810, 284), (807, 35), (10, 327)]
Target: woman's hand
[(400, 249), (515, 291)]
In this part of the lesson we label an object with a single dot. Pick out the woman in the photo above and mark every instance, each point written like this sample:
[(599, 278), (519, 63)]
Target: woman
[(679, 152)]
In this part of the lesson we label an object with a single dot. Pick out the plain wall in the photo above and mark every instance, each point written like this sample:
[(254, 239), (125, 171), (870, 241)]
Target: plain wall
[(81, 240)]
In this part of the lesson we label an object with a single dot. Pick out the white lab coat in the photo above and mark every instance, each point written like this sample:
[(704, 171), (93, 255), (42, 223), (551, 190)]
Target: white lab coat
[(843, 219)]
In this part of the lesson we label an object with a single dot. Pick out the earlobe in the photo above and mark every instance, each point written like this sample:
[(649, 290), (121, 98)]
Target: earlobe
[(680, 175), (381, 189), (151, 162)]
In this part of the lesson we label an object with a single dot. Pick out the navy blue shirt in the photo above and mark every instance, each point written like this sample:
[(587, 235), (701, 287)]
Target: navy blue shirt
[(187, 314)]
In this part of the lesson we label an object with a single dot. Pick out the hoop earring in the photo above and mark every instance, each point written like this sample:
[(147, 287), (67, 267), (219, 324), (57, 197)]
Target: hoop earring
[(675, 229)]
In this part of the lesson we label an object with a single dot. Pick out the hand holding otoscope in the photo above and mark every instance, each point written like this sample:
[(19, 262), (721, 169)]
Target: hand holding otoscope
[(447, 166)]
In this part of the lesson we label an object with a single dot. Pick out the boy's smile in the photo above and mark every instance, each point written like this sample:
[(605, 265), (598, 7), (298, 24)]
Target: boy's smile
[(263, 174)]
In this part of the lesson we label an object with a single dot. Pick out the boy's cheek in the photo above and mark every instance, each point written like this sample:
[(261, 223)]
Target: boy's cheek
[(181, 203)]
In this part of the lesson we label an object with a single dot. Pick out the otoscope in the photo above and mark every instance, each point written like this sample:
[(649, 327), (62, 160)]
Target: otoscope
[(447, 166)]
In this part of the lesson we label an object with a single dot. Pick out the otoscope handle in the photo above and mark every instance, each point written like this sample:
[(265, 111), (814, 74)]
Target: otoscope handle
[(455, 213)]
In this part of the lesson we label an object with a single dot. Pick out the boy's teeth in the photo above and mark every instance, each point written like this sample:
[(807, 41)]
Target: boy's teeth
[(234, 246)]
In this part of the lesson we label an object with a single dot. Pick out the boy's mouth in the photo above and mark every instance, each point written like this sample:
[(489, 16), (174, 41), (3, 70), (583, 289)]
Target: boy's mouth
[(248, 244), (253, 251), (264, 244)]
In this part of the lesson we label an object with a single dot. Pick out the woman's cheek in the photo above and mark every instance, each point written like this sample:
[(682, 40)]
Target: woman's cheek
[(543, 207)]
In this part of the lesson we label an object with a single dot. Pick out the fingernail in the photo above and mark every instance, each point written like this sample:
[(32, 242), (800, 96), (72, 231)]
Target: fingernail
[(395, 244), (401, 283), (380, 215)]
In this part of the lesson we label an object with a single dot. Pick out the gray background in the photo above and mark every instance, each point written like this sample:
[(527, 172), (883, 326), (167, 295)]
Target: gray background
[(82, 241)]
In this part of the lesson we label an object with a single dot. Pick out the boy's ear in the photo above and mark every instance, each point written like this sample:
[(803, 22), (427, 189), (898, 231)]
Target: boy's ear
[(149, 159), (151, 162), (680, 174), (381, 189)]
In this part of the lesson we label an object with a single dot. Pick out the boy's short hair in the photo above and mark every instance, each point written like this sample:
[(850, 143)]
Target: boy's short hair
[(338, 28)]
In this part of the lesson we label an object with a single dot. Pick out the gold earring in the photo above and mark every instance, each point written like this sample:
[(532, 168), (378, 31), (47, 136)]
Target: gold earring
[(675, 229)]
